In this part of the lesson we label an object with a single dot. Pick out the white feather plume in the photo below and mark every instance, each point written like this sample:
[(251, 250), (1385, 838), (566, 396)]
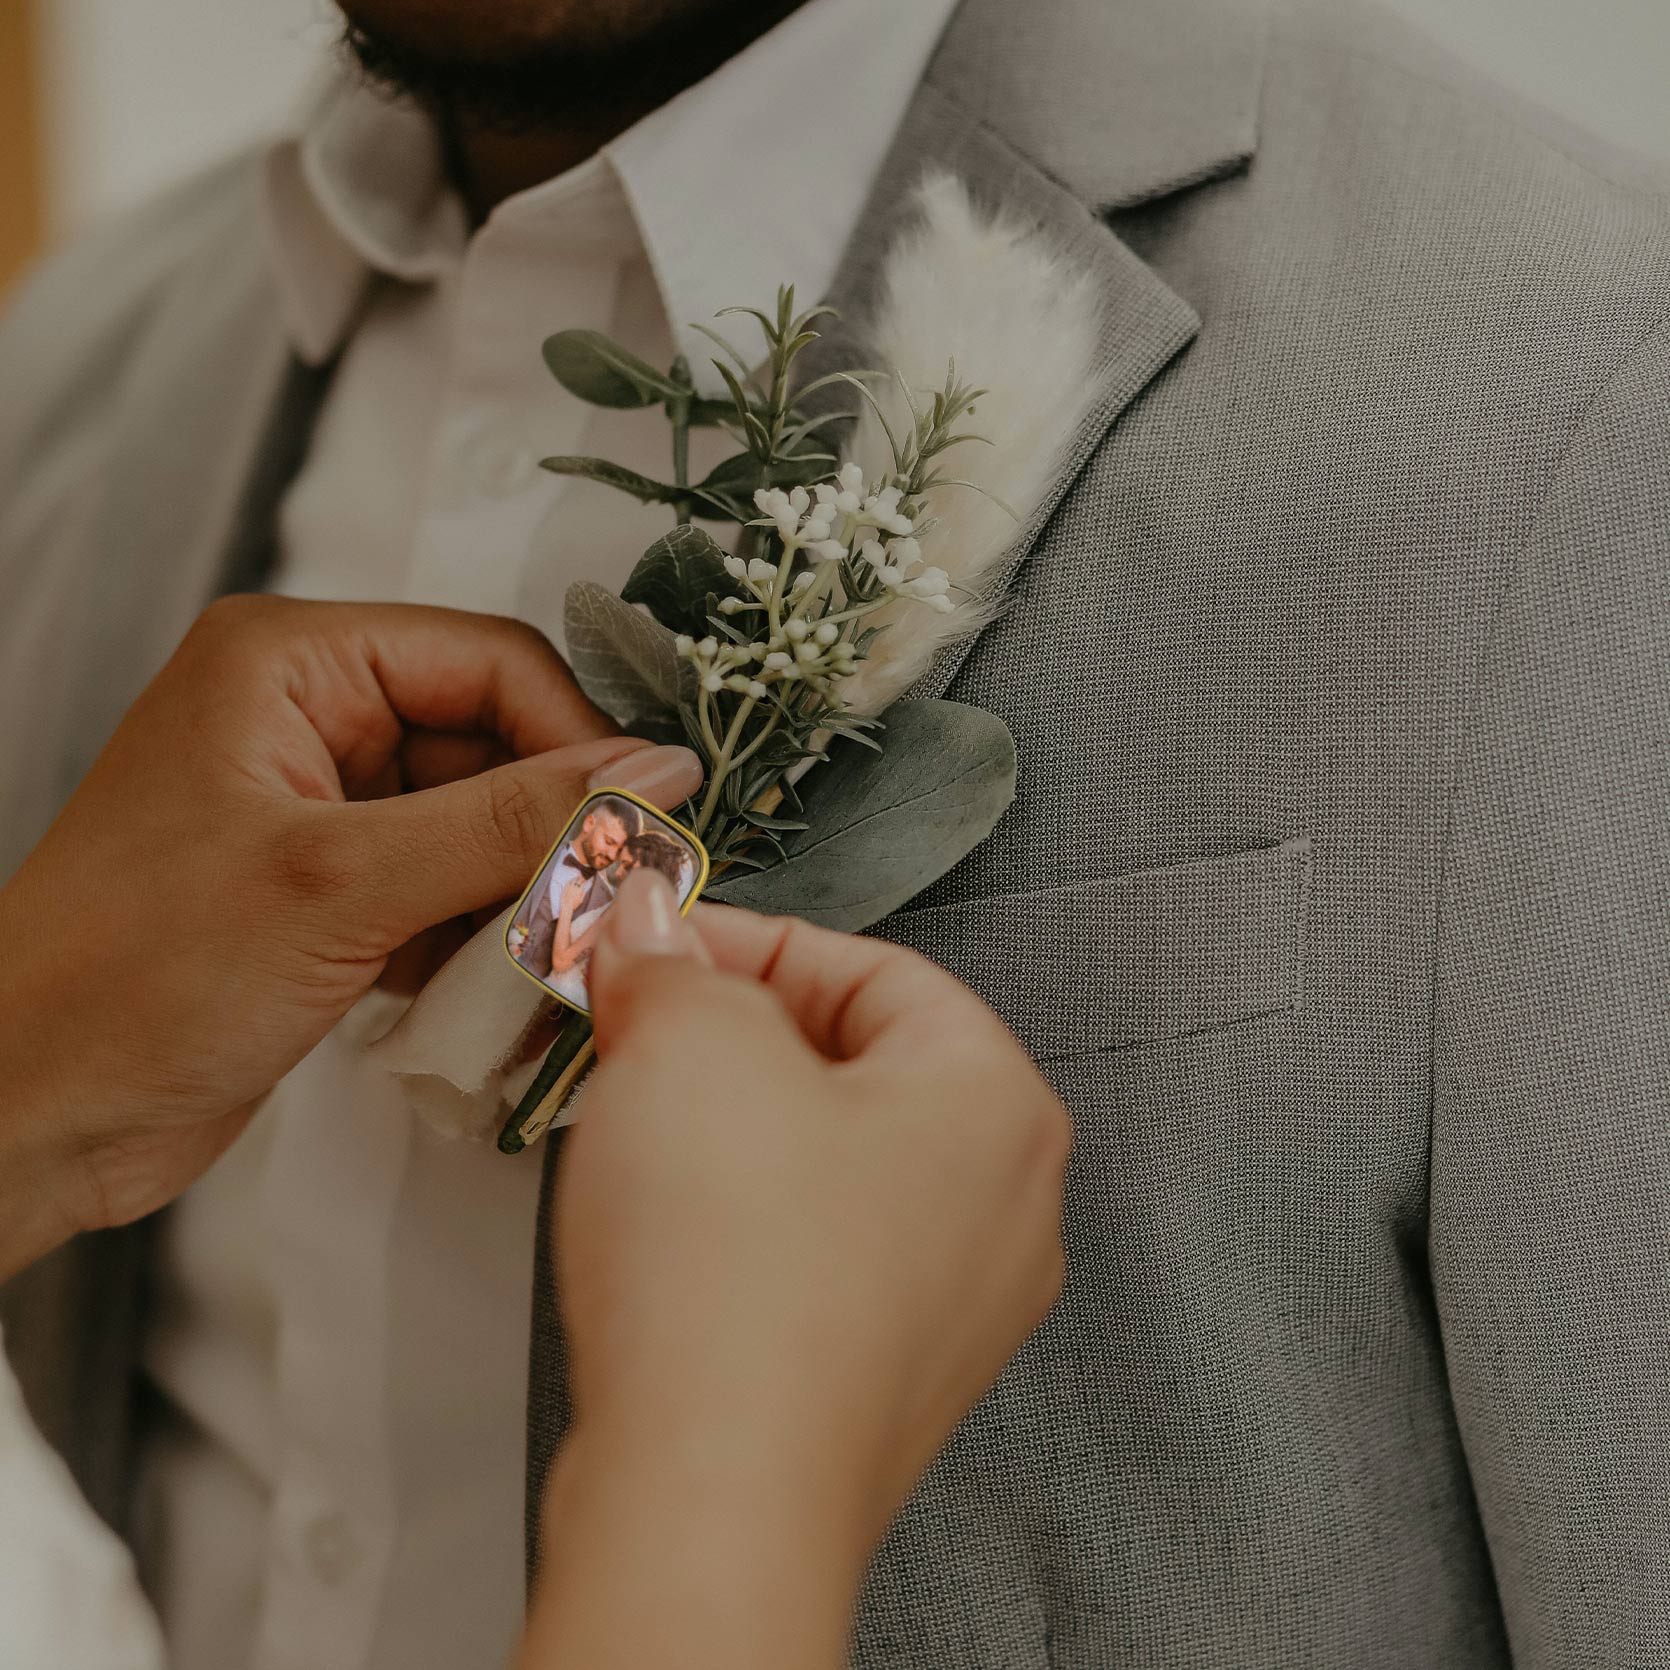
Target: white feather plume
[(1018, 320)]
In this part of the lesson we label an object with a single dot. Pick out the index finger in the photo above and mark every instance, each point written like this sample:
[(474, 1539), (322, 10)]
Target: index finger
[(365, 675), (849, 996)]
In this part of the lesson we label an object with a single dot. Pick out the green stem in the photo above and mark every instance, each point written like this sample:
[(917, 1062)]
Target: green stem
[(704, 718), (722, 767), (679, 412), (754, 747)]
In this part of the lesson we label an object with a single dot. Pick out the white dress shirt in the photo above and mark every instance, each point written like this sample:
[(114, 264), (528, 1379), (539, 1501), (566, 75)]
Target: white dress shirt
[(68, 1595), (342, 1305)]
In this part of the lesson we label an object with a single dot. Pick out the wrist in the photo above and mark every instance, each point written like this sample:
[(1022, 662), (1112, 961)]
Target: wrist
[(673, 1547), (41, 1188), (43, 1185)]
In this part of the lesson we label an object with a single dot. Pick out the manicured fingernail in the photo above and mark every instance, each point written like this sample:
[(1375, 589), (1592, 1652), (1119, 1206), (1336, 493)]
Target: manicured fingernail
[(663, 776), (644, 920)]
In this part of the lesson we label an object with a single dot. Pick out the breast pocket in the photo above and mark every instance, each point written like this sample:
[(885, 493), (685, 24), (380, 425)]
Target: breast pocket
[(1134, 959)]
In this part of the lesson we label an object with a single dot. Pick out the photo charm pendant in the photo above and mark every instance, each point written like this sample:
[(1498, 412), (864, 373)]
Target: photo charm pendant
[(556, 922)]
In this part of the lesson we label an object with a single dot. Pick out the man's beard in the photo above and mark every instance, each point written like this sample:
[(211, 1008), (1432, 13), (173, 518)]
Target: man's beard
[(576, 68)]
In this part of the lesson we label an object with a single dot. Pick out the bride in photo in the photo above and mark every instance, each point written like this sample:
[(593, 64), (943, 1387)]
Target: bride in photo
[(576, 928)]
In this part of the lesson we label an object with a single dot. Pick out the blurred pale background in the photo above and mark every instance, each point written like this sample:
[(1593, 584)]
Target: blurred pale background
[(101, 101)]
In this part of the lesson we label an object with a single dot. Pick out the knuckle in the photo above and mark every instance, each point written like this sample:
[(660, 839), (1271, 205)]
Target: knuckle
[(312, 860), (1050, 1133), (518, 817), (521, 632), (1052, 1280), (233, 627), (237, 614)]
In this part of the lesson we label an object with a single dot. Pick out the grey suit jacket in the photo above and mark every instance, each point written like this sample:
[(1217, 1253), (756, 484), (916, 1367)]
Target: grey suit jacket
[(1336, 897)]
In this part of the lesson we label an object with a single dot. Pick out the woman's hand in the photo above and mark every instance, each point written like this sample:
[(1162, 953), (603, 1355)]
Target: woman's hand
[(241, 864), (809, 1212)]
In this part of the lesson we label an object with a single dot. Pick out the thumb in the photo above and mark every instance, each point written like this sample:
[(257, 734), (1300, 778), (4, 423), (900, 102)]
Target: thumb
[(653, 986), (414, 860), (644, 943)]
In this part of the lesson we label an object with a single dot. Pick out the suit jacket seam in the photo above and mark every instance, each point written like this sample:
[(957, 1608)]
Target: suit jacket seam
[(1472, 705)]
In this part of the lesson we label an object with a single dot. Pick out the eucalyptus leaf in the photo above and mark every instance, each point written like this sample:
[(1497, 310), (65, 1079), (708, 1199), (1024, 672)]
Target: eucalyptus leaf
[(623, 660), (602, 373), (614, 475), (675, 577), (885, 826)]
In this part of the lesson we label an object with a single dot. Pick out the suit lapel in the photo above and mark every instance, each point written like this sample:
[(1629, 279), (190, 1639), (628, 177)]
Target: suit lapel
[(1092, 109), (1144, 322)]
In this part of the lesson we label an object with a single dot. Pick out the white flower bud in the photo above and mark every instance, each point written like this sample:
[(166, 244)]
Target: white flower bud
[(797, 629), (851, 478), (761, 572), (683, 643), (778, 662), (799, 499), (808, 652), (757, 690), (730, 605), (905, 552), (801, 581), (708, 647), (735, 567), (712, 681), (829, 550), (827, 633)]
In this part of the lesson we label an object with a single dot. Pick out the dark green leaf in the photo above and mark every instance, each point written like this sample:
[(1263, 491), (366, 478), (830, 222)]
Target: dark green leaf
[(613, 475), (739, 475), (676, 576), (603, 373), (884, 826)]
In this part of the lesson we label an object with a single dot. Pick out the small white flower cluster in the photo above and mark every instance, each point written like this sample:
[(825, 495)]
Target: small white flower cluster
[(900, 568), (831, 523), (814, 654)]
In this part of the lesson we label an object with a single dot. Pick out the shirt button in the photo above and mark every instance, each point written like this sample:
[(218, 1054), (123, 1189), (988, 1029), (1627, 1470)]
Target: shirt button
[(331, 1549), (497, 463)]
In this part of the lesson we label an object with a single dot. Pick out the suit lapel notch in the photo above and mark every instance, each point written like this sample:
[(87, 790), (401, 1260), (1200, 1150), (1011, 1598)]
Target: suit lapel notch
[(1144, 323)]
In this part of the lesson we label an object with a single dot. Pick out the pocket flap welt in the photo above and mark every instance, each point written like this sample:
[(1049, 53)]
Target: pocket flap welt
[(1134, 959)]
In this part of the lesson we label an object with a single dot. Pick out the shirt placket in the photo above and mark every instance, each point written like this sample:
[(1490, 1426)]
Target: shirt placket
[(329, 1191)]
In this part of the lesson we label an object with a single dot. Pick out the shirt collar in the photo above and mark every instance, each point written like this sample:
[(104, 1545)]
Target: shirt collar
[(754, 177)]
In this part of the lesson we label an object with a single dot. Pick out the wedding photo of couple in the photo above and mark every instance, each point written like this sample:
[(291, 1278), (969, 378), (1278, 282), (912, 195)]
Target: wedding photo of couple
[(554, 929), (1133, 536)]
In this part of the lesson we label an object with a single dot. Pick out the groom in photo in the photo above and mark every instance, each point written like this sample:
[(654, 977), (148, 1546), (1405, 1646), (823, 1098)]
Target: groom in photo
[(1335, 900), (599, 842)]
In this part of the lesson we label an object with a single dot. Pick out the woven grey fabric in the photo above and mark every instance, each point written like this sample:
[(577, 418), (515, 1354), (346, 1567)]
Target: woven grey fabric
[(1336, 897)]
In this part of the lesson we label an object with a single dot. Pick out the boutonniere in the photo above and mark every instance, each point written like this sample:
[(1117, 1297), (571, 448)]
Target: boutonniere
[(867, 512)]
